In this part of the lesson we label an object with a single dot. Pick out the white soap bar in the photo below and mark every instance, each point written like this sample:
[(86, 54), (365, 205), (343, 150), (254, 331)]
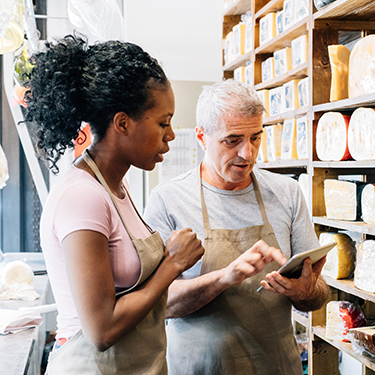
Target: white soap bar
[(364, 274), (368, 204), (267, 26), (249, 74), (279, 22), (332, 137), (289, 13), (303, 182), (239, 32), (340, 260), (362, 67), (276, 100), (301, 9), (361, 134), (274, 139), (289, 141), (265, 98), (249, 34), (291, 95), (283, 61), (302, 138), (340, 199), (17, 272), (268, 69), (303, 92), (300, 50), (239, 74), (262, 154), (228, 48)]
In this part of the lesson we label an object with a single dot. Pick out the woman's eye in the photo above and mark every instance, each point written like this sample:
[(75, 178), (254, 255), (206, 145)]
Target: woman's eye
[(164, 125)]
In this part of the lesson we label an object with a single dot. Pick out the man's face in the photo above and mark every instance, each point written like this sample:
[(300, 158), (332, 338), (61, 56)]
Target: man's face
[(231, 151)]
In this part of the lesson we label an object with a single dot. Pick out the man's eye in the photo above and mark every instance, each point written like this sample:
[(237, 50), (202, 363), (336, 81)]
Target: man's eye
[(256, 139), (231, 141)]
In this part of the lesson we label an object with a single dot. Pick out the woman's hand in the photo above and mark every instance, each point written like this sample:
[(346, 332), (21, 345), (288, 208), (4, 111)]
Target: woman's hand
[(184, 248)]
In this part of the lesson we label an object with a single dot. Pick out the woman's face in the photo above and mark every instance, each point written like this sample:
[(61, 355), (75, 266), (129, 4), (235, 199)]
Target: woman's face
[(153, 131)]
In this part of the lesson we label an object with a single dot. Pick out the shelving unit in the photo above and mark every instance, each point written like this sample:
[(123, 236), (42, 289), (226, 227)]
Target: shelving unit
[(324, 28)]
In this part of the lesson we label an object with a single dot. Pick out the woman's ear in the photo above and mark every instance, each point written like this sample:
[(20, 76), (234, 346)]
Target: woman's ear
[(120, 122)]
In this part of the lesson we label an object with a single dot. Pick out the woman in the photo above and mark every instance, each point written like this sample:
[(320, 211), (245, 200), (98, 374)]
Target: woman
[(94, 241)]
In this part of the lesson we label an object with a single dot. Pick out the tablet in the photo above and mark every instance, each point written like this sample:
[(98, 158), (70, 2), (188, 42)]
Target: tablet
[(293, 267)]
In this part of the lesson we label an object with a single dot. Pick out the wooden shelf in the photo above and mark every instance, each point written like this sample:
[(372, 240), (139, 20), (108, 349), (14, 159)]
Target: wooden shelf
[(300, 71), (284, 164), (239, 61), (346, 347), (299, 318), (354, 226), (347, 285), (271, 6), (282, 116), (238, 7), (347, 9), (285, 38), (347, 104), (349, 164)]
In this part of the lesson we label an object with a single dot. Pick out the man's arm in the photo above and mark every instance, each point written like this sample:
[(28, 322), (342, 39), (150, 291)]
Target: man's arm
[(309, 292), (188, 296)]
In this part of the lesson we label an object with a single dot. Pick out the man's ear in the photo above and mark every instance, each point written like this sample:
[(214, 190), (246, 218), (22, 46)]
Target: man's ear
[(199, 132), (120, 122)]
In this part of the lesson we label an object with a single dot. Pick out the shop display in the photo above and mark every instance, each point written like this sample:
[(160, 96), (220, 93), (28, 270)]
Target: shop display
[(282, 61), (301, 9), (319, 4), (289, 13), (363, 339), (262, 153), (228, 48), (361, 67), (340, 261), (368, 204), (11, 25), (339, 59), (267, 28), (300, 50), (265, 98), (303, 92), (239, 74), (239, 33), (249, 32), (279, 22), (364, 274), (17, 272), (302, 138), (361, 134), (276, 101), (274, 139), (289, 140), (291, 95), (332, 137), (343, 199), (342, 316), (268, 69)]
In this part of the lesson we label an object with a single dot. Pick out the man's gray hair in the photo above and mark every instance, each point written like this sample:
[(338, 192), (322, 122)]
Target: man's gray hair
[(229, 98)]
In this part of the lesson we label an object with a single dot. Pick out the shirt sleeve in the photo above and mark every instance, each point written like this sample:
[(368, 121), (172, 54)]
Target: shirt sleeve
[(156, 216), (81, 207)]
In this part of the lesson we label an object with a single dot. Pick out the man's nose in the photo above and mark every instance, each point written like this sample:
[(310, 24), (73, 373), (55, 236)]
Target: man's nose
[(245, 152)]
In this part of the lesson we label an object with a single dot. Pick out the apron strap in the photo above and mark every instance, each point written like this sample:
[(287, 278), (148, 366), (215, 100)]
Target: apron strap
[(90, 162), (206, 221)]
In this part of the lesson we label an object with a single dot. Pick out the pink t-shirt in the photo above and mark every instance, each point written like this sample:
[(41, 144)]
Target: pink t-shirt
[(78, 202)]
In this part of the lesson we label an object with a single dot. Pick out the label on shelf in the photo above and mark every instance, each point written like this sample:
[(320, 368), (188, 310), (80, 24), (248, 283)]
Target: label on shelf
[(274, 139), (302, 138), (291, 95), (276, 101), (300, 51), (289, 141)]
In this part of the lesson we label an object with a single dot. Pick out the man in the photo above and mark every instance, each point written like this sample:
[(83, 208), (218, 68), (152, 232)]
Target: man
[(219, 322)]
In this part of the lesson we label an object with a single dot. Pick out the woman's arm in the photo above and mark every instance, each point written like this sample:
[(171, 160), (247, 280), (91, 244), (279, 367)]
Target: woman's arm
[(105, 320)]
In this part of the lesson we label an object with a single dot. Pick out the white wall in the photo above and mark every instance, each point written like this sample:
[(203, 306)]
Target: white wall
[(185, 36)]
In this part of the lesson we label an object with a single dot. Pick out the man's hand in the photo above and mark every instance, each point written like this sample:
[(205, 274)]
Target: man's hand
[(251, 262), (307, 292)]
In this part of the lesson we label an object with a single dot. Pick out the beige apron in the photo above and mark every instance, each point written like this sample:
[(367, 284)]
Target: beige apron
[(241, 332), (141, 351)]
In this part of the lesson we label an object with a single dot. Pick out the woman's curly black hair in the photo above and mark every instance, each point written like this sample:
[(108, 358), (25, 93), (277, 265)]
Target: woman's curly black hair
[(72, 82)]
